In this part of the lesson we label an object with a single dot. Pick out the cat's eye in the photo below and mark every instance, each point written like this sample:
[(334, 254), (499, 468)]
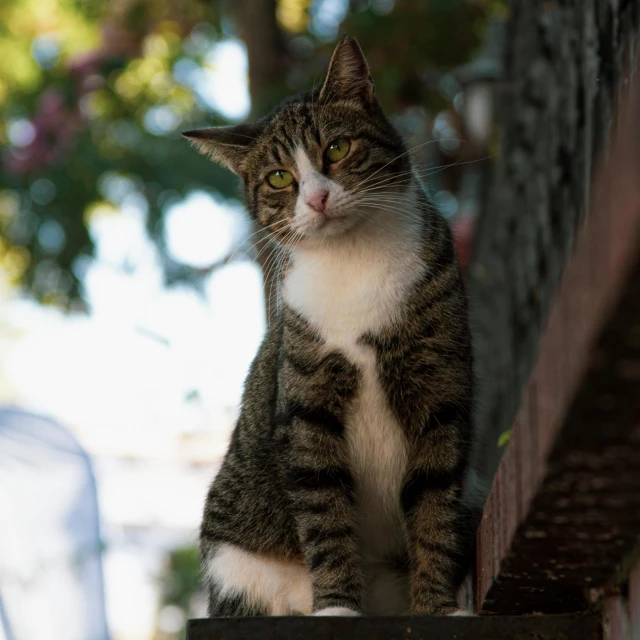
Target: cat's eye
[(280, 179), (337, 150)]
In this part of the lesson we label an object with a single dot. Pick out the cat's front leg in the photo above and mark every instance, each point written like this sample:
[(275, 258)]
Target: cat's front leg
[(431, 502), (322, 495)]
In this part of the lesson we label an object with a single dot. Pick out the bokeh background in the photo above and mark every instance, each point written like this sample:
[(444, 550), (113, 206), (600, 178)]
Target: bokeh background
[(134, 290)]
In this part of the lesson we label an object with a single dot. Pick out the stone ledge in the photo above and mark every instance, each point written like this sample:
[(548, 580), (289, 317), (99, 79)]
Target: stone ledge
[(571, 627)]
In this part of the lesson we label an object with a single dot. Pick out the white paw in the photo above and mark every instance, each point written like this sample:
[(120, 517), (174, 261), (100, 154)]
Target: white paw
[(335, 611), (462, 612)]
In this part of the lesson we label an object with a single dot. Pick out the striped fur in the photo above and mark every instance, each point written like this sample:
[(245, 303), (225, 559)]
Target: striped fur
[(345, 487)]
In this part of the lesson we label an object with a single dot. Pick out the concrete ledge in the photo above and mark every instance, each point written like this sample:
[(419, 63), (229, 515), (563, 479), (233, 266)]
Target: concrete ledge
[(572, 627)]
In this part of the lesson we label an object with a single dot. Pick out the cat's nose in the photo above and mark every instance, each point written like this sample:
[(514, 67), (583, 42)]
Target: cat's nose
[(317, 199)]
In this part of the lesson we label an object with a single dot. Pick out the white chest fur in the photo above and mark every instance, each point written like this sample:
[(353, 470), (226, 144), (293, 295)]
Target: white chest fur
[(345, 291)]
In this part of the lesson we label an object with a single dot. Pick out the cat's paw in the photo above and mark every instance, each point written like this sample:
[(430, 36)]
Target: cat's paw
[(335, 611), (461, 612)]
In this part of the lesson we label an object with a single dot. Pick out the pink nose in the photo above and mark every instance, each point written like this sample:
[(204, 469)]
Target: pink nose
[(318, 199)]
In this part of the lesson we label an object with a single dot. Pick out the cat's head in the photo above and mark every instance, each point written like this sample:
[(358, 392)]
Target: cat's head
[(321, 164)]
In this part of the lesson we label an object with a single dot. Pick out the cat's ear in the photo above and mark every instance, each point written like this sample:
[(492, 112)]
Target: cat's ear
[(227, 145), (348, 75)]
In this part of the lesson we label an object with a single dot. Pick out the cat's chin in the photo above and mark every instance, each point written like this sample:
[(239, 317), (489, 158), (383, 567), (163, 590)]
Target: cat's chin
[(334, 229)]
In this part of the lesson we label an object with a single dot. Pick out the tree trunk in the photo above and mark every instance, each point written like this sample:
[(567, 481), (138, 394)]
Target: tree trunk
[(563, 62), (268, 65)]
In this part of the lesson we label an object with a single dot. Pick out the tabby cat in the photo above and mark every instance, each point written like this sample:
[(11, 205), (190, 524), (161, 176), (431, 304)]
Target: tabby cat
[(345, 489)]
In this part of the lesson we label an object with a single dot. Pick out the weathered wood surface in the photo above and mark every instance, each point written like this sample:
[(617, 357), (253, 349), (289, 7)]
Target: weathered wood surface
[(576, 627)]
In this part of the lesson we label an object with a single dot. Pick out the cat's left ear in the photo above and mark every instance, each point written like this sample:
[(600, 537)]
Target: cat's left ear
[(348, 76), (227, 145)]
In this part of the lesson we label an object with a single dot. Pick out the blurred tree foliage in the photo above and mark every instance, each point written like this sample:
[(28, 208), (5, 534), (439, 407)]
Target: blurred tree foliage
[(93, 94), (180, 584)]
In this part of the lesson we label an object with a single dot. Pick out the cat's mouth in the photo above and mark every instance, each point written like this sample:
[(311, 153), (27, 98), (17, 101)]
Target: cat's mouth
[(327, 224), (326, 219), (333, 222)]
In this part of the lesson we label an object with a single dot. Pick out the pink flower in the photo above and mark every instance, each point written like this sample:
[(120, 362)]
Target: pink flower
[(463, 231), (56, 125)]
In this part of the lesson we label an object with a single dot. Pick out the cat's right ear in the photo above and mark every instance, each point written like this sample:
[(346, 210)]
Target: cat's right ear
[(227, 145), (348, 75)]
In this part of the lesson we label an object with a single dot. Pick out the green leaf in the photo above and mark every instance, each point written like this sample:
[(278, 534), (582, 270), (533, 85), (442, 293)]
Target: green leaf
[(504, 438)]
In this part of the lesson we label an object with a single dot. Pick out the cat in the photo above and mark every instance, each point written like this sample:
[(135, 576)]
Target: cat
[(346, 487)]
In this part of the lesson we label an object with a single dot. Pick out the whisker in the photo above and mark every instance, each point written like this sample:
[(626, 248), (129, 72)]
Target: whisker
[(268, 295), (406, 212), (268, 244), (267, 270), (254, 244), (274, 263), (420, 173), (282, 254), (413, 172), (418, 146), (459, 163), (277, 280), (388, 199), (387, 178)]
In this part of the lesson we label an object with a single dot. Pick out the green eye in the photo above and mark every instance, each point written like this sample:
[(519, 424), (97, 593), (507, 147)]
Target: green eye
[(337, 150), (280, 179)]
